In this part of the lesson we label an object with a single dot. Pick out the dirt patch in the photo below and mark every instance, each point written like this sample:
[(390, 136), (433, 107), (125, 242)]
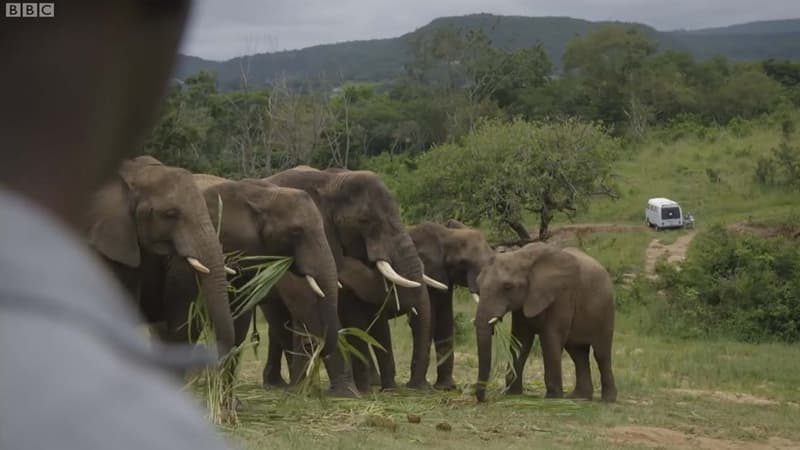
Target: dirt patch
[(674, 253), (734, 397), (665, 438)]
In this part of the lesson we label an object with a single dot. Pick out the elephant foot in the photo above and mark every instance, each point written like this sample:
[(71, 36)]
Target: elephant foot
[(420, 385), (554, 394), (374, 379), (275, 384), (581, 395), (609, 395), (514, 389), (447, 384), (347, 391)]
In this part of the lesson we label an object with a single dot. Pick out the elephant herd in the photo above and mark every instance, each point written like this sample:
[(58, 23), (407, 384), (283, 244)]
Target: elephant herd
[(161, 228)]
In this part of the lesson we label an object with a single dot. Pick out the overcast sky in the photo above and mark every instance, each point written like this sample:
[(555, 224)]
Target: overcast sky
[(222, 29)]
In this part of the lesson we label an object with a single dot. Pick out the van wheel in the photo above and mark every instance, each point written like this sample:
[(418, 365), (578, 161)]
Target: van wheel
[(658, 228)]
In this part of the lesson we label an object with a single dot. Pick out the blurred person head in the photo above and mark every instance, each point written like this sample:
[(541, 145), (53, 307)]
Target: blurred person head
[(78, 91)]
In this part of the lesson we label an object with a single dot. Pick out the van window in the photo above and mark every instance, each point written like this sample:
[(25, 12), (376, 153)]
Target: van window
[(671, 212)]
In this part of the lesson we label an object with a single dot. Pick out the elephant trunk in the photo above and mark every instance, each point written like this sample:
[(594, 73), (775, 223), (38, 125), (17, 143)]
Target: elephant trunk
[(417, 303), (206, 249), (483, 334), (316, 260)]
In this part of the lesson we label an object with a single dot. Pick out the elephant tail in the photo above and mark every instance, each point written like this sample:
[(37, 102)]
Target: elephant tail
[(255, 338)]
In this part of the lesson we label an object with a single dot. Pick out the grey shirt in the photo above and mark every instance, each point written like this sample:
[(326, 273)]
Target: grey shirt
[(75, 372)]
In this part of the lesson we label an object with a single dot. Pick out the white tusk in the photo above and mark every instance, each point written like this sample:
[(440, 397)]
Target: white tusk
[(314, 286), (476, 297), (229, 271), (414, 310), (197, 265), (339, 283), (472, 320), (433, 283), (492, 320), (387, 271)]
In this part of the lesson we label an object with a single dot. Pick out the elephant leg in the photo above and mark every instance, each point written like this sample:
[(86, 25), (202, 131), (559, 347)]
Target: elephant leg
[(374, 375), (361, 369), (602, 354), (521, 330), (241, 326), (302, 349), (552, 348), (271, 376), (380, 331), (583, 375), (442, 332)]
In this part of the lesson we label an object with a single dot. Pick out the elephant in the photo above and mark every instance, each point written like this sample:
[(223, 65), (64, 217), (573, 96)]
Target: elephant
[(260, 218), (564, 296), (453, 254), (148, 218), (362, 221)]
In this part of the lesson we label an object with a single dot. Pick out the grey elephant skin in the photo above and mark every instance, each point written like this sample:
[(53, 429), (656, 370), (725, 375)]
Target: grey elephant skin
[(259, 218), (362, 221), (564, 296), (454, 255), (151, 216)]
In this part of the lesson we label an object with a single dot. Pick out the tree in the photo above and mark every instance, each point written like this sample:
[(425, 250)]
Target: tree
[(504, 171), (608, 62)]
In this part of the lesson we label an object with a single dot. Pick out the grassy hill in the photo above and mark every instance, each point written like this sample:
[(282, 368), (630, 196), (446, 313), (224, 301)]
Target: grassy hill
[(675, 163), (382, 59)]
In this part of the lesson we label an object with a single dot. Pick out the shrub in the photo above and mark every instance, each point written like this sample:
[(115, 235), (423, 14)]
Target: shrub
[(742, 286)]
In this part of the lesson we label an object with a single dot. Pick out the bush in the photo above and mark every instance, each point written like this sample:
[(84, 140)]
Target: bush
[(741, 286)]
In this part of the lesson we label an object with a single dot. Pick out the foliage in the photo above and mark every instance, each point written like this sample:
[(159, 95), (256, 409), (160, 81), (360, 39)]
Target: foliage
[(505, 170), (782, 167), (740, 285)]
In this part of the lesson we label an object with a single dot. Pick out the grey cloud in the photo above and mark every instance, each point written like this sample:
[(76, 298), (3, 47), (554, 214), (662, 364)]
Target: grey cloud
[(221, 29)]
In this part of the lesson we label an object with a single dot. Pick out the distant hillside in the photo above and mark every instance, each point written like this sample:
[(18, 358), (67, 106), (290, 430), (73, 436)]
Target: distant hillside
[(383, 59)]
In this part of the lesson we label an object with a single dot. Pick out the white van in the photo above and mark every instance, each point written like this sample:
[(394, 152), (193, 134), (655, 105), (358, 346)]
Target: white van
[(663, 213)]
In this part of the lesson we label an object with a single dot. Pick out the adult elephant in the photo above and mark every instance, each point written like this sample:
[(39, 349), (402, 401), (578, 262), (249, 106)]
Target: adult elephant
[(565, 297), (453, 254), (260, 218), (142, 218), (362, 221)]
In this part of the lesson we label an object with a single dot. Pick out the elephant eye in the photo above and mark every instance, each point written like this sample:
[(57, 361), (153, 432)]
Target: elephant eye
[(172, 213), (296, 231), (507, 286)]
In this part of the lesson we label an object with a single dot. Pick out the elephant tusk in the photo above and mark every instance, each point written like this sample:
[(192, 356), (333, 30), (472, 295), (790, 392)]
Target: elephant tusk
[(229, 271), (387, 271), (197, 265), (314, 286), (433, 283), (414, 310), (339, 283), (476, 297), (493, 320)]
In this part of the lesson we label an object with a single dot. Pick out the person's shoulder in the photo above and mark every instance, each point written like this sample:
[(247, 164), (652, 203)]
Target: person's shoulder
[(71, 390)]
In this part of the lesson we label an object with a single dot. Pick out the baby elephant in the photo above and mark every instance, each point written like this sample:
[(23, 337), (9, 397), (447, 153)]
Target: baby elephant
[(565, 297)]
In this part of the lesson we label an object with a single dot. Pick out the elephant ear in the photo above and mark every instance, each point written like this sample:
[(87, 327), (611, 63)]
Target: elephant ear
[(430, 250), (551, 275), (112, 230)]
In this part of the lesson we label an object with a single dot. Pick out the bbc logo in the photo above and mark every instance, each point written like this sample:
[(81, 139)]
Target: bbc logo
[(30, 9)]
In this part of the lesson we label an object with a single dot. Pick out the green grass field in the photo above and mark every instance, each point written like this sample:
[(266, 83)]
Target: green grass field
[(673, 393)]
